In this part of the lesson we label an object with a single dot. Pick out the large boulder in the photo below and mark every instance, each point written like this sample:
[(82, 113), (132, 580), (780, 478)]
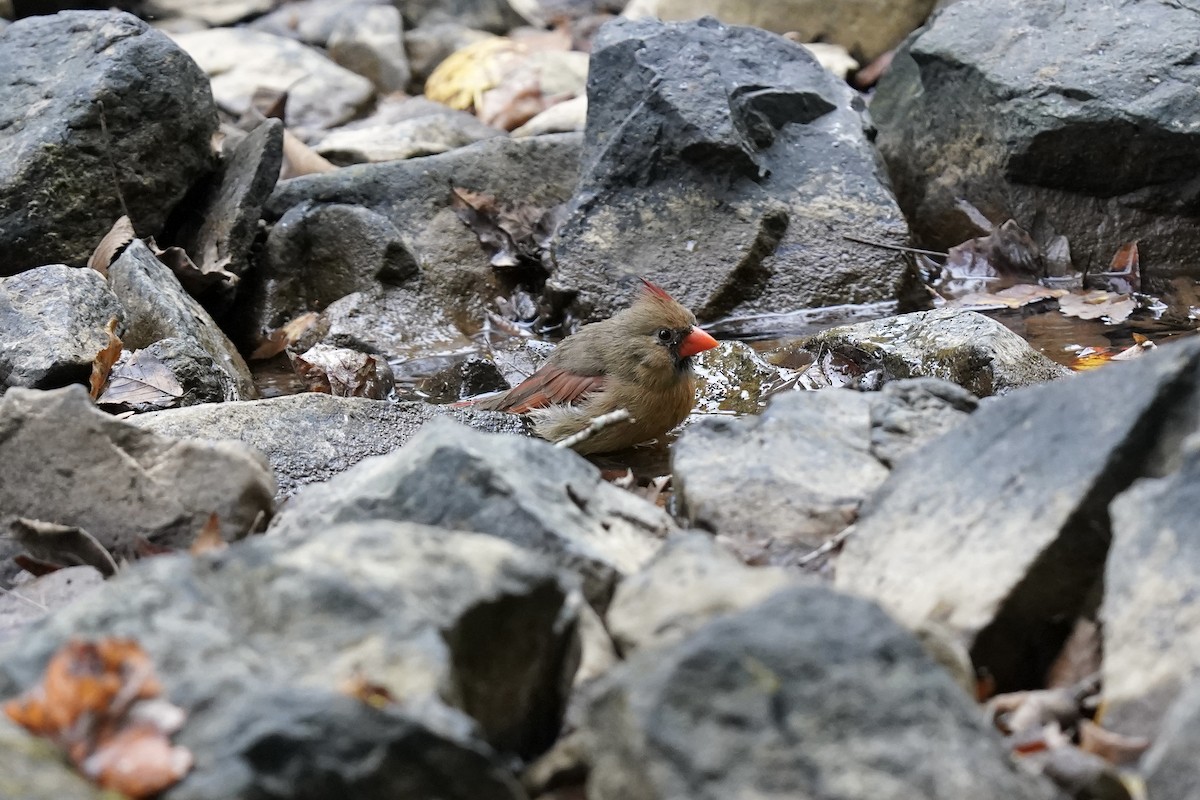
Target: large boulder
[(94, 106), (474, 640), (1073, 120), (999, 529), (810, 694), (725, 164)]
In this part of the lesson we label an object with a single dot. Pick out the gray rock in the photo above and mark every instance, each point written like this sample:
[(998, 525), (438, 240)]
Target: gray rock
[(457, 279), (198, 374), (429, 45), (224, 222), (57, 192), (1151, 633), (311, 437), (467, 378), (310, 21), (907, 414), (999, 529), (35, 599), (781, 483), (1170, 764), (258, 642), (319, 253), (157, 307), (520, 489), (713, 158), (496, 16), (63, 461), (735, 378), (809, 694), (211, 12), (691, 581), (31, 768), (239, 61), (1072, 122), (424, 135), (370, 42), (963, 347), (52, 325)]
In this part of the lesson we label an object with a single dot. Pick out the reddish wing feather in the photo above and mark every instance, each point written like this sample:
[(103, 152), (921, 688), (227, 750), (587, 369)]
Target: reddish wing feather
[(550, 385)]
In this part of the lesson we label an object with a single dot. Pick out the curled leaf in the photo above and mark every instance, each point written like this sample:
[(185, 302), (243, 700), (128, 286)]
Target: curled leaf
[(103, 363), (111, 246)]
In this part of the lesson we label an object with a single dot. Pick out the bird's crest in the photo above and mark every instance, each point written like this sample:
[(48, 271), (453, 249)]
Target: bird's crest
[(655, 290)]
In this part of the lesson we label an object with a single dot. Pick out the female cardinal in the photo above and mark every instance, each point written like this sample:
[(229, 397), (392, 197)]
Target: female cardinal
[(639, 360)]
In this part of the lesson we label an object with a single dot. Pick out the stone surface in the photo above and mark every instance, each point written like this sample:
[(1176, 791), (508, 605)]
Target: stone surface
[(472, 636), (198, 374), (735, 378), (999, 529), (57, 192), (63, 461), (467, 378), (907, 414), (157, 307), (308, 438), (724, 164), (376, 139), (239, 61), (1151, 629), (310, 21), (866, 27), (963, 347), (33, 769), (457, 281), (781, 483), (1072, 120), (496, 16), (1170, 764), (211, 12), (429, 45), (370, 42), (809, 694), (691, 581), (32, 600), (219, 231), (526, 491), (52, 324)]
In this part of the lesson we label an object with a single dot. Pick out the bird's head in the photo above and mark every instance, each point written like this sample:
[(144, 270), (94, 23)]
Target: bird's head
[(664, 332)]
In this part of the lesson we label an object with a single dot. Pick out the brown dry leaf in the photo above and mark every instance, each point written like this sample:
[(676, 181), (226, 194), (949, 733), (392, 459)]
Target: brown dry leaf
[(1112, 747), (90, 702), (341, 372), (461, 80), (284, 337), (64, 545), (363, 690), (209, 539), (1091, 358), (102, 364), (1135, 350), (513, 103), (196, 280), (512, 235), (1007, 250), (1099, 304), (299, 159), (1124, 273), (1018, 296), (142, 382), (110, 247)]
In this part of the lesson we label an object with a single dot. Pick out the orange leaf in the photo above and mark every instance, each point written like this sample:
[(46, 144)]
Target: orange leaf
[(209, 539), (138, 761), (102, 364)]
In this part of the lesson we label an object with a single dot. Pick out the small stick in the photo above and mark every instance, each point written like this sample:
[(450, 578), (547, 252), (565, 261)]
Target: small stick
[(901, 248), (834, 543), (595, 426)]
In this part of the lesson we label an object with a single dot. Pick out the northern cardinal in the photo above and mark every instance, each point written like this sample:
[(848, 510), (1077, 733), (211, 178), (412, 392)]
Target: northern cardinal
[(639, 360)]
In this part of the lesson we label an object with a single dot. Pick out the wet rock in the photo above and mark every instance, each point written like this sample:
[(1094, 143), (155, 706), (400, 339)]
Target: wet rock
[(36, 598), (717, 172), (523, 490), (157, 307), (211, 12), (240, 61), (570, 115), (495, 16), (430, 45), (999, 529), (691, 581), (57, 193), (65, 462), (962, 347), (220, 230), (308, 438), (317, 254), (432, 617), (1170, 764), (867, 27), (1074, 124), (457, 281), (467, 378), (808, 694), (734, 378), (401, 322), (907, 414), (781, 483), (407, 129), (52, 325), (1151, 638), (370, 42), (197, 372), (32, 768)]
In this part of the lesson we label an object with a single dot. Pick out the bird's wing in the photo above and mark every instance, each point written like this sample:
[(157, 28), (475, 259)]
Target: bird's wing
[(550, 385)]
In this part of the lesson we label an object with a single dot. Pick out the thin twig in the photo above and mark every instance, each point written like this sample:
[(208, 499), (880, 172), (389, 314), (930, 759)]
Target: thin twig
[(834, 543), (112, 165), (901, 248), (595, 426), (23, 598)]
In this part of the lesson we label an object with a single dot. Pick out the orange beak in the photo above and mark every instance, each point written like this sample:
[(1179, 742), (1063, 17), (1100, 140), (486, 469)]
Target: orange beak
[(697, 341)]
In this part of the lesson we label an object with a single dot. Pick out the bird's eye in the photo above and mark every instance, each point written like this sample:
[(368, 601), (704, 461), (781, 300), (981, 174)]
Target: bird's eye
[(664, 334)]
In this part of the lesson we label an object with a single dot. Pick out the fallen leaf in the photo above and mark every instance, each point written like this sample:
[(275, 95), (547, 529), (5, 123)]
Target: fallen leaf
[(196, 280), (102, 364), (285, 336), (138, 761), (512, 235), (1112, 747), (1135, 350), (1018, 296), (209, 539), (1007, 250), (142, 382), (1124, 273), (1091, 358), (65, 545), (342, 372), (111, 246), (299, 159), (363, 690), (462, 78), (1098, 304)]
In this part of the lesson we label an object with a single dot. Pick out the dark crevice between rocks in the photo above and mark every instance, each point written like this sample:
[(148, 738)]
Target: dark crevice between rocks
[(1030, 629), (749, 278)]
